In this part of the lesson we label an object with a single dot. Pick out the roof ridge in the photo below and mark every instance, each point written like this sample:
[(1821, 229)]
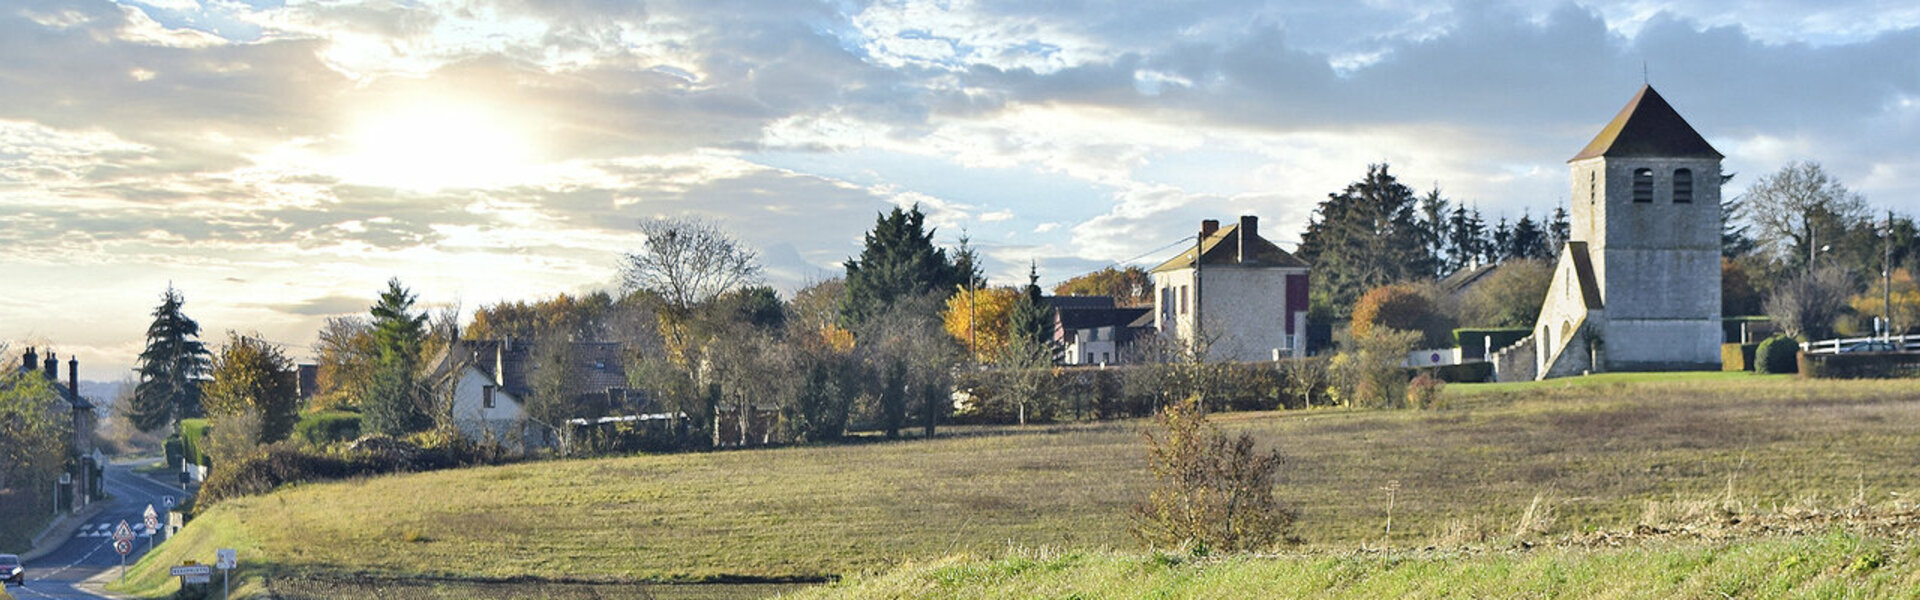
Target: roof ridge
[(1648, 126)]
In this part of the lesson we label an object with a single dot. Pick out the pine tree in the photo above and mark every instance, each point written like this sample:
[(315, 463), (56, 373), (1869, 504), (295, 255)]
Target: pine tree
[(1502, 246), (898, 261), (170, 368), (1559, 232), (1433, 226), (1031, 321), (1364, 237), (1527, 240), (393, 397)]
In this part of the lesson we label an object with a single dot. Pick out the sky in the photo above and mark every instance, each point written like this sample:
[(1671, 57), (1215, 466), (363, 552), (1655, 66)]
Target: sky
[(278, 161)]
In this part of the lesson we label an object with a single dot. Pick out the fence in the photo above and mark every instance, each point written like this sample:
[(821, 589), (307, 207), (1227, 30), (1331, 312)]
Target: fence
[(1903, 343)]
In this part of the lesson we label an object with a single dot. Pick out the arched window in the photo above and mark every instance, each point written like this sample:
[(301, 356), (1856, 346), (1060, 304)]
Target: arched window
[(1643, 185), (1683, 186)]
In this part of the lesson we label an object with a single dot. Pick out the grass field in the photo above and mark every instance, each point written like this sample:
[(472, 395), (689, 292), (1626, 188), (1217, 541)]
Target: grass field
[(1504, 461)]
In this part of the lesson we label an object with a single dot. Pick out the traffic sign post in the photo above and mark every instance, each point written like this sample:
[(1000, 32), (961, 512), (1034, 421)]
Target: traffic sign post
[(153, 525), (228, 558), (123, 543)]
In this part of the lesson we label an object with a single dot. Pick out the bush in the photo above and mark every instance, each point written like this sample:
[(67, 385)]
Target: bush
[(1738, 357), (327, 427), (193, 441), (1425, 392), (1776, 355), (1210, 492)]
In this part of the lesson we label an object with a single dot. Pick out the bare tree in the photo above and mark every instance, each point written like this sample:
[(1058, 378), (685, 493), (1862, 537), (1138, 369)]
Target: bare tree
[(1799, 208), (1806, 305), (688, 262)]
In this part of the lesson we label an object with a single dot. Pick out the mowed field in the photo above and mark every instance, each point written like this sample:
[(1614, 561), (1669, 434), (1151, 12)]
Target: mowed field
[(1503, 462)]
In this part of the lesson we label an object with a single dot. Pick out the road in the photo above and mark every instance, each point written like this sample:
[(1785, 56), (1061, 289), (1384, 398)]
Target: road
[(89, 552)]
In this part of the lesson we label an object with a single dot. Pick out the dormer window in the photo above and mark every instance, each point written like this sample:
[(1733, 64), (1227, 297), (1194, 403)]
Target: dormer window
[(1683, 186), (1643, 185)]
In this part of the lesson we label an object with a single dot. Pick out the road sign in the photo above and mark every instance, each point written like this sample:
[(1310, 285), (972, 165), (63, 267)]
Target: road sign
[(123, 546), (153, 518), (191, 571), (123, 532), (227, 558), (168, 500)]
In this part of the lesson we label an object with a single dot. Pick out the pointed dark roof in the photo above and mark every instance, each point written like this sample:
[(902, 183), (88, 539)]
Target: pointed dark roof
[(1223, 248), (1648, 126)]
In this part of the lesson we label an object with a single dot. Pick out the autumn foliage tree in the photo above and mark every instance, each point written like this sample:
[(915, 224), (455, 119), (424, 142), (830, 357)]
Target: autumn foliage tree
[(251, 375), (1400, 306), (1128, 287), (977, 319)]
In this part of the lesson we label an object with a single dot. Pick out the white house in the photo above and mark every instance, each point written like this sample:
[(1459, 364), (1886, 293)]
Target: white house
[(492, 381), (1245, 297), (1637, 286), (1093, 330)]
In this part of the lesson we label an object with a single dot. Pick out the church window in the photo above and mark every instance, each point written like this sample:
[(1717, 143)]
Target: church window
[(1592, 188), (1643, 185), (1683, 186)]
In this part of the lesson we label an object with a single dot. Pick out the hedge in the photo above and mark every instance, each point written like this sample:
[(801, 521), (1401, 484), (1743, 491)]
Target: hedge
[(1737, 357), (1776, 355), (1471, 340), (1860, 365), (328, 427), (1122, 391), (193, 440), (1473, 372)]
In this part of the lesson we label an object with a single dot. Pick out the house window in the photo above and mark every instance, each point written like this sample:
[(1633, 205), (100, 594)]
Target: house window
[(1643, 185), (1183, 299), (1106, 357), (486, 396), (1683, 186), (1089, 358), (1289, 341)]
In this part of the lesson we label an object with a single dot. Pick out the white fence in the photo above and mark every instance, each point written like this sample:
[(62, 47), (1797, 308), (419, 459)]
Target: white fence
[(1906, 343)]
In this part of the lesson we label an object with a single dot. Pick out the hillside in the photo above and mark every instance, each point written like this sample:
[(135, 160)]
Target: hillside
[(1606, 452)]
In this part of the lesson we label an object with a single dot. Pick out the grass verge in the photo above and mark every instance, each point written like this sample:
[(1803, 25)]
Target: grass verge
[(1517, 462), (1821, 566)]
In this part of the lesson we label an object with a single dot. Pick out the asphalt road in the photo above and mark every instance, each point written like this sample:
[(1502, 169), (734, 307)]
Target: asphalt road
[(89, 551)]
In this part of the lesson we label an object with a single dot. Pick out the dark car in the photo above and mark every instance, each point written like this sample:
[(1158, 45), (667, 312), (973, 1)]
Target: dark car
[(1871, 346), (11, 569)]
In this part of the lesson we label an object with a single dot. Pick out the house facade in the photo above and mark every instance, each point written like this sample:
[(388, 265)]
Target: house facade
[(1092, 330), (1235, 294), (1637, 285), (80, 482), (490, 382)]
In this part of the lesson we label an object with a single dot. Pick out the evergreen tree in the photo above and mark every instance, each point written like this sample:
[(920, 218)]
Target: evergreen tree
[(898, 261), (1364, 237), (1734, 241), (1433, 227), (393, 402), (1527, 240), (1031, 321), (1502, 246), (170, 368), (1559, 231)]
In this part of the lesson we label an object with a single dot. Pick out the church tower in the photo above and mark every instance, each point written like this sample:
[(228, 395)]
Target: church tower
[(1638, 284)]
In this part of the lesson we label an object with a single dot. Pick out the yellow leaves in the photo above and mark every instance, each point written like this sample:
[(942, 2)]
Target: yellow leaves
[(837, 338), (978, 320), (1905, 297)]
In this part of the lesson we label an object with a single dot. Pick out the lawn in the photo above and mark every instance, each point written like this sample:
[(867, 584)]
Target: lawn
[(1599, 453)]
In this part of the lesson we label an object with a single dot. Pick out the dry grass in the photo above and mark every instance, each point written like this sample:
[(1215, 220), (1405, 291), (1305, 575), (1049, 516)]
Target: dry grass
[(1534, 460)]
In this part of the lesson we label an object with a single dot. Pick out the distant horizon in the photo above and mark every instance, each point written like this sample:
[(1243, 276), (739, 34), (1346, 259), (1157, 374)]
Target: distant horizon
[(278, 162)]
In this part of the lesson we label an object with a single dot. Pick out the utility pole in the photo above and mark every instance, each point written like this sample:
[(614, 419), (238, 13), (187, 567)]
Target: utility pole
[(1886, 276)]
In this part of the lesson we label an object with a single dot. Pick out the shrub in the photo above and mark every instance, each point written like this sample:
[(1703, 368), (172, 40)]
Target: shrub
[(1209, 493), (1425, 391), (1373, 375), (327, 427), (1863, 365), (1776, 355), (193, 441), (1738, 357), (1403, 307), (275, 465)]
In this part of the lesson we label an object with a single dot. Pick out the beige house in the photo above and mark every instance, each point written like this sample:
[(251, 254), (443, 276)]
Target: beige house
[(1244, 299)]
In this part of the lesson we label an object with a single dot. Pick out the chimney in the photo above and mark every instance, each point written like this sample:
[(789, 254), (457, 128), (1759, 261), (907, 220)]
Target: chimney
[(29, 361), (53, 368), (1208, 226), (1249, 229), (73, 376)]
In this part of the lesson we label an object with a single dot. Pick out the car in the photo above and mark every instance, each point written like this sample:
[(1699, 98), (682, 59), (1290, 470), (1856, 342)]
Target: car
[(11, 569), (1871, 346)]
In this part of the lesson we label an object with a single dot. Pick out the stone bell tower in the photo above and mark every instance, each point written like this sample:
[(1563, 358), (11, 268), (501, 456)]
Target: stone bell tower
[(1638, 284)]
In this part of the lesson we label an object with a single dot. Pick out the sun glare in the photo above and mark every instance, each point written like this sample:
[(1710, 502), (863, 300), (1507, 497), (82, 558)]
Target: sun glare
[(436, 145)]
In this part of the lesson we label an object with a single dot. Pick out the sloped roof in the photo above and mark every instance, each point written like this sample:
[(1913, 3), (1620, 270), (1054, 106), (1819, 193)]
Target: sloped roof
[(1222, 248), (596, 366), (1583, 269), (1646, 127)]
